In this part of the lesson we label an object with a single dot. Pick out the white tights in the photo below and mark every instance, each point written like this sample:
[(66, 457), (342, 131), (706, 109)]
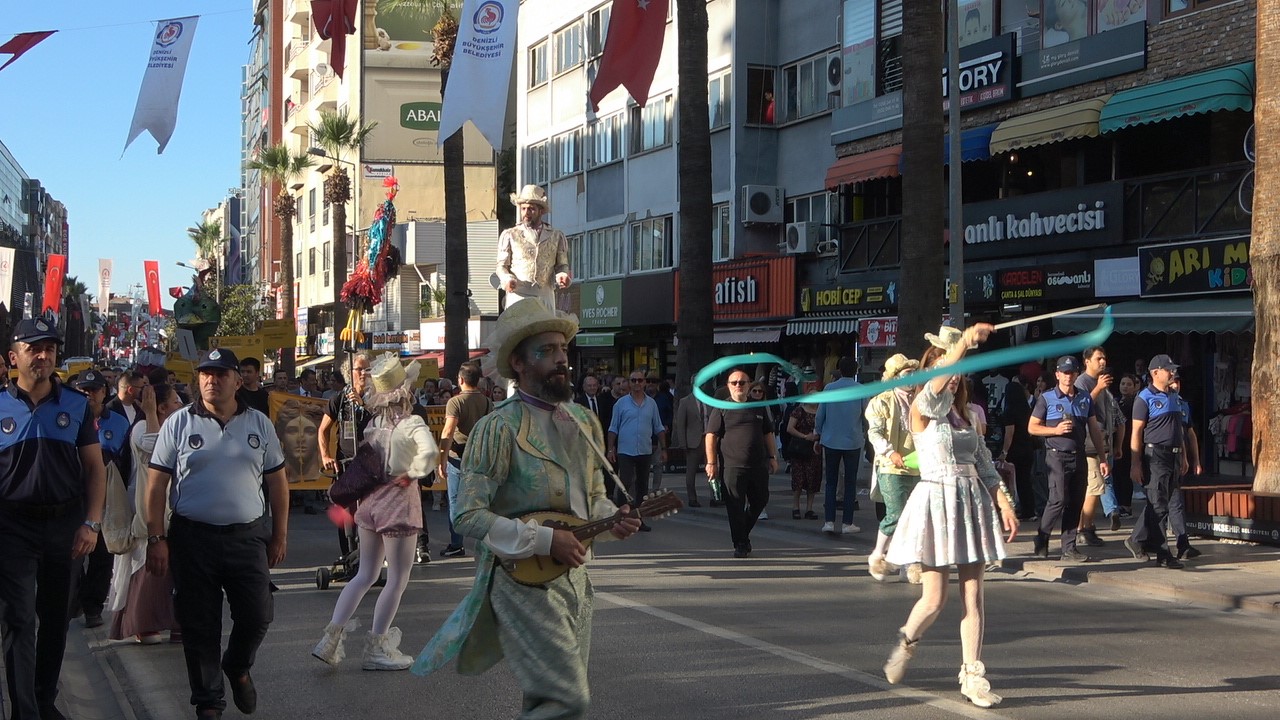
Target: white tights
[(934, 596), (398, 552)]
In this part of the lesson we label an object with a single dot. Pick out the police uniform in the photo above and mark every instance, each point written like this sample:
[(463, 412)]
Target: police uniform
[(43, 491), (218, 533), (1068, 466), (1161, 449)]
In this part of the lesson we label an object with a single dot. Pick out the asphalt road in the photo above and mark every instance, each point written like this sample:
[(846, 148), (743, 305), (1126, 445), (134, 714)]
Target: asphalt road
[(798, 631)]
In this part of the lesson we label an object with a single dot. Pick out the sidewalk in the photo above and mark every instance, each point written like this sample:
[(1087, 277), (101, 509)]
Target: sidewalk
[(1228, 575)]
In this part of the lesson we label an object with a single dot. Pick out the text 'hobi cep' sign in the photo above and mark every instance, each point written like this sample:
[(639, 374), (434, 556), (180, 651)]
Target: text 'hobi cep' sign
[(1207, 266)]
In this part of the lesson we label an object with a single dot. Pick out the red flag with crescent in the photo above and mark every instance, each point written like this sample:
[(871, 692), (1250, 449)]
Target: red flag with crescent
[(53, 275), (152, 268), (19, 44)]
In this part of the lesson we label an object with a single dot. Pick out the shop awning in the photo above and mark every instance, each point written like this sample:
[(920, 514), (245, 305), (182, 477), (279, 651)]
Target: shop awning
[(840, 325), (1226, 88), (1065, 122), (313, 362), (1185, 315), (867, 166), (595, 339), (745, 336), (975, 144)]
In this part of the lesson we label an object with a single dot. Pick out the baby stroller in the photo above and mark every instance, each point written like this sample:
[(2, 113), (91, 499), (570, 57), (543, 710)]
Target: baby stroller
[(367, 461)]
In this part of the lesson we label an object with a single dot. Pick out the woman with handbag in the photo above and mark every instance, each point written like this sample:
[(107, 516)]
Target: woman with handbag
[(388, 516), (806, 463)]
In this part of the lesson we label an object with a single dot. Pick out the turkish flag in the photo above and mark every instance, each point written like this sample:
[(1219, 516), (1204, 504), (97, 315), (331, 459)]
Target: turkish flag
[(335, 20), (631, 49), (152, 268), (22, 42), (53, 275)]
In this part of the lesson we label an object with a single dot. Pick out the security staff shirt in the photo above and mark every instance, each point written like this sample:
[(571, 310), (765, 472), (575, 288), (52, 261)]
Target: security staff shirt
[(1052, 407), (40, 445), (217, 469), (113, 435), (1162, 413)]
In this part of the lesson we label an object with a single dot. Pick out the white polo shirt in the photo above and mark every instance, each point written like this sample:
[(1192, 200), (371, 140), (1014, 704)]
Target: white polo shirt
[(217, 469)]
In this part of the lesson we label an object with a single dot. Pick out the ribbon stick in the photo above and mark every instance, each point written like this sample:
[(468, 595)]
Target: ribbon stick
[(969, 364)]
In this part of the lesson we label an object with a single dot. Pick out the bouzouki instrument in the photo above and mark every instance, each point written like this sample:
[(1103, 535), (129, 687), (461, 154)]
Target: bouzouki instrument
[(542, 569)]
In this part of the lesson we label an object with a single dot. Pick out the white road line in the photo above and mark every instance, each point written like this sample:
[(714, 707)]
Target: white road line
[(872, 681)]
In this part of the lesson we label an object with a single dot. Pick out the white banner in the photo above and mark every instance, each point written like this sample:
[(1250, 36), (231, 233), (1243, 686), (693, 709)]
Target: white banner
[(157, 108), (104, 284), (6, 277), (481, 70)]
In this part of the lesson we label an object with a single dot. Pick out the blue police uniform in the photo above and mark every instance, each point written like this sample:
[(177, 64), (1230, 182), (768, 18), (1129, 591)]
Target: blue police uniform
[(92, 582), (1068, 467), (42, 497), (1161, 451)]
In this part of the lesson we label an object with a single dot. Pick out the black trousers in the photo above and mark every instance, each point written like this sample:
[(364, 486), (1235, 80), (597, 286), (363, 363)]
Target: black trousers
[(633, 471), (691, 467), (91, 581), (1023, 464), (746, 492), (1160, 467), (35, 587), (208, 561), (1068, 480)]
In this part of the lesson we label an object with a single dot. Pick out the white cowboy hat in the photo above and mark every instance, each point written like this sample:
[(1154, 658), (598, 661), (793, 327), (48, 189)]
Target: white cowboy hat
[(898, 364), (946, 338), (524, 320), (532, 195), (389, 374)]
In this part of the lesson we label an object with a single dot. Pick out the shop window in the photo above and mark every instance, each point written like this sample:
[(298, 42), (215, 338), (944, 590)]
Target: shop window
[(651, 244), (606, 140), (721, 239), (1173, 7), (869, 200), (720, 99), (604, 252), (1065, 21), (536, 166), (651, 125), (760, 107), (804, 89), (538, 64), (568, 47), (567, 151)]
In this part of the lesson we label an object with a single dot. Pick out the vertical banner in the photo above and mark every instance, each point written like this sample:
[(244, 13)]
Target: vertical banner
[(481, 70), (152, 268), (104, 284), (53, 275), (6, 277), (157, 108)]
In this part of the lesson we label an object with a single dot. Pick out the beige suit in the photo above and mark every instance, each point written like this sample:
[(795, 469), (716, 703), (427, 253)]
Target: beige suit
[(532, 259)]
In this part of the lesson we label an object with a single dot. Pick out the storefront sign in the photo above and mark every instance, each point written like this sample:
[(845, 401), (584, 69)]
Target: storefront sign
[(1116, 277), (986, 73), (1090, 58), (849, 297), (1209, 266), (878, 332), (405, 342), (737, 291), (1057, 221), (750, 290), (1045, 282), (601, 304)]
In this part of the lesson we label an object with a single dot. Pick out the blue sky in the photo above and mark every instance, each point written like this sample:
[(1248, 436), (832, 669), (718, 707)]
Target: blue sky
[(68, 104)]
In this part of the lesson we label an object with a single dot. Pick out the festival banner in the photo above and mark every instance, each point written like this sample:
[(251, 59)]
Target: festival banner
[(6, 276), (152, 269), (104, 284), (157, 108), (54, 273), (481, 70), (632, 48)]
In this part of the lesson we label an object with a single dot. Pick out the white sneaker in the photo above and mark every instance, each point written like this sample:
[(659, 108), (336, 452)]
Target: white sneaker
[(829, 528), (851, 528)]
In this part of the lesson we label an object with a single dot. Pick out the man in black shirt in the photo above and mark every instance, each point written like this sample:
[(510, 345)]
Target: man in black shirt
[(348, 413), (740, 452), (252, 392)]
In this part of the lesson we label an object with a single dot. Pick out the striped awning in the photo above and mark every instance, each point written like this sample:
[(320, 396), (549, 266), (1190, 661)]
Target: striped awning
[(841, 325), (867, 166), (1225, 88), (747, 336)]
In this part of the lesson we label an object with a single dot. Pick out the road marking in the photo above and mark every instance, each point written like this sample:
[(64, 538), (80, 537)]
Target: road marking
[(873, 681)]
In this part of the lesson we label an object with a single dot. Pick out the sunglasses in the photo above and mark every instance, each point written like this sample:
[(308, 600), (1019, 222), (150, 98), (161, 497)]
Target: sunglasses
[(739, 382), (636, 379)]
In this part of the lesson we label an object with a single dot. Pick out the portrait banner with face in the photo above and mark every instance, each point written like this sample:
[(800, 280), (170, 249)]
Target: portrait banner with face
[(297, 423)]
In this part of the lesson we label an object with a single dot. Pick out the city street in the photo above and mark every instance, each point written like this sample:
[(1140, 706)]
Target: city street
[(796, 631)]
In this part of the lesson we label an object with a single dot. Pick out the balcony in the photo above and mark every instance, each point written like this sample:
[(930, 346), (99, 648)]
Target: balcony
[(1185, 205), (871, 244), (298, 11)]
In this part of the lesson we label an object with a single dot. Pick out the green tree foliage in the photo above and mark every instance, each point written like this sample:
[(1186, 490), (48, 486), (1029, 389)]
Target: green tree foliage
[(243, 310)]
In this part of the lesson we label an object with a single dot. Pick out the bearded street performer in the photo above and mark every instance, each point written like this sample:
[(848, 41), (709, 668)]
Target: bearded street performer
[(533, 257), (535, 447)]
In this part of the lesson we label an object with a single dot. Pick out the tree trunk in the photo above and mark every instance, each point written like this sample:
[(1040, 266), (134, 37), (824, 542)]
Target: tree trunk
[(924, 199), (284, 211), (340, 267), (694, 326), (457, 268), (1264, 257)]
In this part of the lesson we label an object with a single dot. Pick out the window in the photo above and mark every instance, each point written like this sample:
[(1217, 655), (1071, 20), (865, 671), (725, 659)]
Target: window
[(538, 64), (567, 149), (297, 265), (597, 29), (721, 245), (328, 263), (606, 140), (577, 257), (603, 252), (568, 48), (821, 208), (311, 209), (1022, 17), (804, 89), (651, 244), (889, 47), (297, 210), (536, 170), (311, 261), (651, 125), (1177, 6), (720, 99), (760, 110), (324, 216)]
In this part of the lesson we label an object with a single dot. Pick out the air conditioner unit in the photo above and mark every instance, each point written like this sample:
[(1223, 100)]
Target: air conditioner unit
[(761, 204), (802, 237), (835, 73)]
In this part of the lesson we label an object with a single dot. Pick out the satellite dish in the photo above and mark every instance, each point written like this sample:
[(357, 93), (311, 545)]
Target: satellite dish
[(323, 70)]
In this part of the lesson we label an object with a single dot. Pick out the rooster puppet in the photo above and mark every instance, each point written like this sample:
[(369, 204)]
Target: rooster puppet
[(363, 290)]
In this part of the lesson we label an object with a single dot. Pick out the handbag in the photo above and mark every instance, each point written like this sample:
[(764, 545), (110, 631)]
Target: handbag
[(117, 515), (364, 474)]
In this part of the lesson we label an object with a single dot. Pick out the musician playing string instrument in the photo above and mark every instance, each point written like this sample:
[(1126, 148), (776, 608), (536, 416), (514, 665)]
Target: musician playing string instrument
[(537, 450)]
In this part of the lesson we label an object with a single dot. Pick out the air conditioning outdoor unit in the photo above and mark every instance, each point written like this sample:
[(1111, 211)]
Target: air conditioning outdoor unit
[(835, 73), (761, 204), (802, 237)]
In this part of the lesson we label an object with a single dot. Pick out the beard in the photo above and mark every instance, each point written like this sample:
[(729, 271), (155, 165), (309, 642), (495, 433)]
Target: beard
[(553, 387)]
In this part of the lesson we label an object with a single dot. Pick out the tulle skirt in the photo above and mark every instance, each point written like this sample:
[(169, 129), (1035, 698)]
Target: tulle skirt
[(949, 519)]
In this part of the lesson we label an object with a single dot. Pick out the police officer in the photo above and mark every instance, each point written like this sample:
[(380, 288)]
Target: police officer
[(94, 578), (1159, 443), (1177, 504), (1062, 415), (51, 496), (209, 462)]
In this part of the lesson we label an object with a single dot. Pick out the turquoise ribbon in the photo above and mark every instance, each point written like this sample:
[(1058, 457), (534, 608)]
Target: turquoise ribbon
[(969, 364)]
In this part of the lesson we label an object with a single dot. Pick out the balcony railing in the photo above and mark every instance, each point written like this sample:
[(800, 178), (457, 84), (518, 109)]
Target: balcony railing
[(871, 244), (1186, 205)]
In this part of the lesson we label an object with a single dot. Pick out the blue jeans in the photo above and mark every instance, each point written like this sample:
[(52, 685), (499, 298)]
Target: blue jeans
[(453, 477), (1109, 504), (832, 459)]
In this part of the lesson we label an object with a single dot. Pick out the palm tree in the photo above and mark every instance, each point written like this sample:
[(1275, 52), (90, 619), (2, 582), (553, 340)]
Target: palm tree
[(457, 269), (207, 237), (1264, 257), (339, 135), (282, 167), (923, 195), (694, 326)]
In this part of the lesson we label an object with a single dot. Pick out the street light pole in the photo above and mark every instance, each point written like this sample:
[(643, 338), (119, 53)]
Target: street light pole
[(955, 221)]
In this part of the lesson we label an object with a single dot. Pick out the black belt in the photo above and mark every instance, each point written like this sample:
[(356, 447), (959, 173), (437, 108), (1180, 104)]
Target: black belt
[(219, 529), (1064, 452), (42, 512), (1169, 448)]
